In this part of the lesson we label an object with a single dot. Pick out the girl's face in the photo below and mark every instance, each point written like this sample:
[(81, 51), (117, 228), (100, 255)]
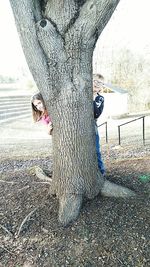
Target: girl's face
[(39, 105)]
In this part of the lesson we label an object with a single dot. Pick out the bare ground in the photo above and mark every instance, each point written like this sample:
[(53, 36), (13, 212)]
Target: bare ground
[(109, 232)]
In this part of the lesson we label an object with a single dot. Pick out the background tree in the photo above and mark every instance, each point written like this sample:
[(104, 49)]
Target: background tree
[(127, 69), (130, 71), (58, 38)]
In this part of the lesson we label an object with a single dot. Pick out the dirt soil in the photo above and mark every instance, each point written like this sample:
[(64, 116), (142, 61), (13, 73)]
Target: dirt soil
[(108, 232)]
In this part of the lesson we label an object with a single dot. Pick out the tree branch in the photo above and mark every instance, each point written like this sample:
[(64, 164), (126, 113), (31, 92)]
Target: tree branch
[(6, 230), (37, 10), (61, 12), (36, 59), (25, 220), (53, 45), (94, 16), (51, 41)]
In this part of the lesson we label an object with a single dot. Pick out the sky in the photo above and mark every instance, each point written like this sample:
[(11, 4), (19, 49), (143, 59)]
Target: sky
[(128, 27), (11, 55)]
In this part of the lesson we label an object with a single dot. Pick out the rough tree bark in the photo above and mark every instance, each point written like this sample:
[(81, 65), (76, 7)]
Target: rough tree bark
[(58, 38)]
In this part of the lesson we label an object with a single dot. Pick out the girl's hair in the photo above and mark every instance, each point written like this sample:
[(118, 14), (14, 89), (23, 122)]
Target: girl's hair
[(37, 114)]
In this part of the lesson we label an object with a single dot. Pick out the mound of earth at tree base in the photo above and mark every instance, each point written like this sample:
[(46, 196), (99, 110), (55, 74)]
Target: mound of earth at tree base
[(108, 232)]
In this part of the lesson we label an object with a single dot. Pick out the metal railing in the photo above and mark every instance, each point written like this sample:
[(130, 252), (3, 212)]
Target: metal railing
[(143, 128), (106, 130)]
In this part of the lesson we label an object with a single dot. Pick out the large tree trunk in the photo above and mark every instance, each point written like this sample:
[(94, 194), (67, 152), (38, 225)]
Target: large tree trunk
[(58, 39), (75, 169)]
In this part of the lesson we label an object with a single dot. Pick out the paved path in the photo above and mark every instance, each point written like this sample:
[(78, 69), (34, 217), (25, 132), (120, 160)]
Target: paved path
[(24, 138)]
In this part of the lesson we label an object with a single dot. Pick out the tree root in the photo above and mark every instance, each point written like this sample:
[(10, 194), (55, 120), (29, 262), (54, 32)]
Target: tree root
[(69, 208), (110, 189), (41, 174), (70, 204)]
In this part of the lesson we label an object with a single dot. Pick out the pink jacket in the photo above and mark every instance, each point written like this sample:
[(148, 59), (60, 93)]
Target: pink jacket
[(45, 119)]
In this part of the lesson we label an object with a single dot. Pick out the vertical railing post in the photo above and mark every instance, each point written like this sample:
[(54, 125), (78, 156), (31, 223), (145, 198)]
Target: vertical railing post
[(143, 130), (106, 132), (119, 134)]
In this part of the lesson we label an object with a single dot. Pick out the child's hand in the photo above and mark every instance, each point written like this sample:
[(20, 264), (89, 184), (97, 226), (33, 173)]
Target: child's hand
[(50, 128)]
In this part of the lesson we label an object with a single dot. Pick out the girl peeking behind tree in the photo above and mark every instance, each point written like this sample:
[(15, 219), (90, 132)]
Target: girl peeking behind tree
[(40, 113)]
